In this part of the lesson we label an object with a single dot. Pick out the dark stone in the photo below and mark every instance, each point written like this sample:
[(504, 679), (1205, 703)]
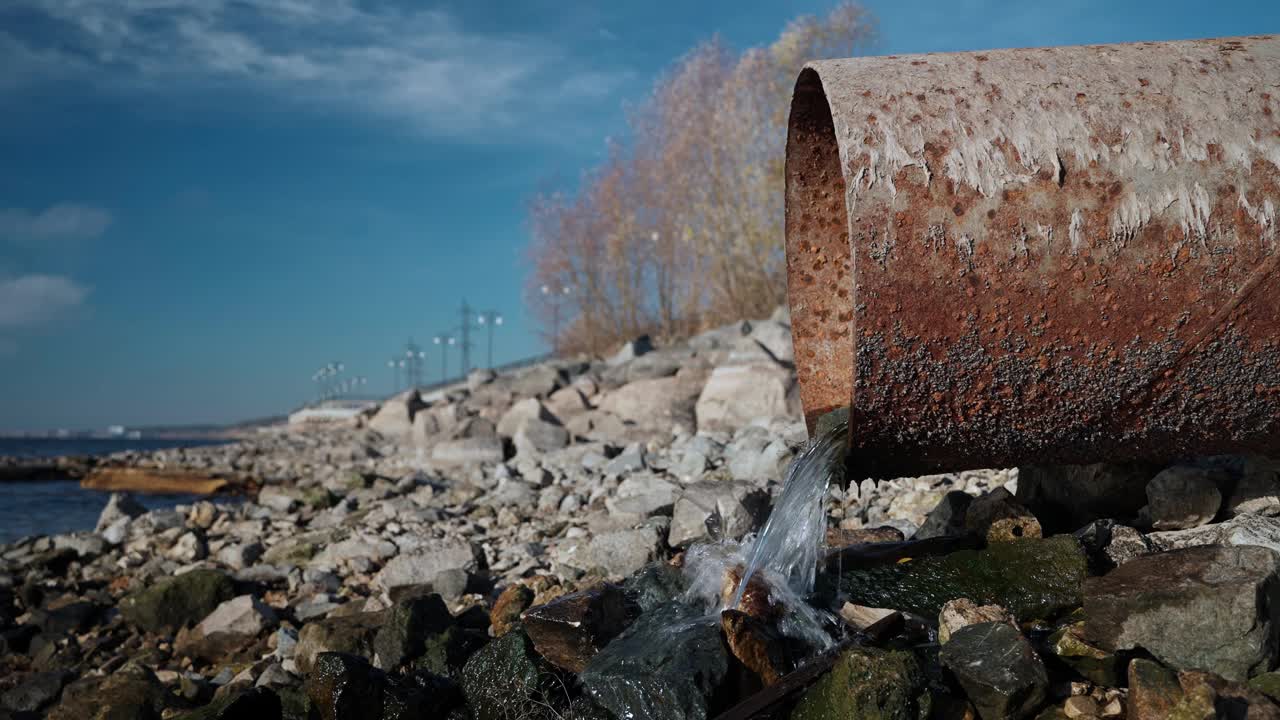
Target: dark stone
[(1206, 695), (656, 583), (869, 684), (1153, 691), (176, 601), (247, 703), (35, 692), (571, 629), (17, 640), (130, 693), (344, 687), (1202, 608), (1066, 497), (507, 679), (998, 669), (1094, 538), (409, 623), (352, 634), (1031, 579), (666, 666), (73, 617), (445, 653)]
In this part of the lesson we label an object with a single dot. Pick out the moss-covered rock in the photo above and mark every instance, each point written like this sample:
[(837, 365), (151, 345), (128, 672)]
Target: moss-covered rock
[(1030, 578), (1268, 684), (176, 601), (352, 634), (868, 684), (507, 679), (1153, 690), (409, 623), (1069, 646), (130, 693)]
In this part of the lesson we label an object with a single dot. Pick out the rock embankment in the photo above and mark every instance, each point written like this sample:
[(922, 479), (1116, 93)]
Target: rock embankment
[(514, 549)]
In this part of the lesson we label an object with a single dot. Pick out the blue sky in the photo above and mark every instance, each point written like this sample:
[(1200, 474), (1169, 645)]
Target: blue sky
[(204, 200)]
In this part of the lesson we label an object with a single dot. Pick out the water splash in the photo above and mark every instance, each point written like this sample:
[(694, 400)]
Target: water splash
[(785, 552), (788, 546)]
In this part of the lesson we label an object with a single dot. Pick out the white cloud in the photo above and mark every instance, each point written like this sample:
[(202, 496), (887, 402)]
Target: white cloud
[(60, 222), (418, 65), (35, 300)]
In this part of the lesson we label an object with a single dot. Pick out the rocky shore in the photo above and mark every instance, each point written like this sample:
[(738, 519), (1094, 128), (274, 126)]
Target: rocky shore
[(528, 547)]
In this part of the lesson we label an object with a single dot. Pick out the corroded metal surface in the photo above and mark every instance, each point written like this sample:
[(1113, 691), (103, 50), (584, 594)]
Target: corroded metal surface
[(1039, 255)]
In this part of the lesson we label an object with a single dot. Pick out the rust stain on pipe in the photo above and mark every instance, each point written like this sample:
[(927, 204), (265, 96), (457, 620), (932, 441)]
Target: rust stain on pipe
[(1053, 255)]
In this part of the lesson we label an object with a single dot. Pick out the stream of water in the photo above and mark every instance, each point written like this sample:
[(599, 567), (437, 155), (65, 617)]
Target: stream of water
[(785, 552)]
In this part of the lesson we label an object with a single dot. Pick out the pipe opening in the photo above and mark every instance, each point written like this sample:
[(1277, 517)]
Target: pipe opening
[(819, 266)]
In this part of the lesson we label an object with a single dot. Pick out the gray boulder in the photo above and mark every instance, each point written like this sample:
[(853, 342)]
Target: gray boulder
[(1205, 608), (731, 508), (735, 395), (1183, 497), (468, 451), (395, 418)]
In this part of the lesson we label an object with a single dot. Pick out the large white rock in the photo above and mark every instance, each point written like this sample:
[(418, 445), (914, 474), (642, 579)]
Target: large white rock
[(426, 563), (529, 408), (468, 450), (738, 507), (395, 418), (619, 553), (535, 436), (244, 616), (735, 395), (774, 337), (119, 506), (657, 402), (567, 402)]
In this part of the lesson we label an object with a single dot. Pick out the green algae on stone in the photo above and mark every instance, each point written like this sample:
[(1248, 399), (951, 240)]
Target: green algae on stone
[(868, 684), (1099, 666), (1030, 578), (176, 601), (1268, 683)]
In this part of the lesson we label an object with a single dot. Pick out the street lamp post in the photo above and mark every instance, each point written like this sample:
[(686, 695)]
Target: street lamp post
[(444, 341), (489, 319), (556, 294)]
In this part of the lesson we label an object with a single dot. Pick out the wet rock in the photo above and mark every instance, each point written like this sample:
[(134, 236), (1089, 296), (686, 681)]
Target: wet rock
[(1030, 578), (571, 629), (130, 693), (1183, 497), (963, 612), (175, 601), (410, 622), (120, 506), (1097, 665), (427, 564), (999, 518), (868, 683), (257, 702), (735, 509), (998, 669), (506, 679), (757, 645), (350, 634), (1199, 608), (737, 394), (1065, 497), (345, 687), (655, 584), (665, 666), (34, 692)]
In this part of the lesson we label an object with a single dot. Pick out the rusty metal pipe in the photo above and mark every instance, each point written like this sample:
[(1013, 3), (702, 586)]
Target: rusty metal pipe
[(1053, 255)]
